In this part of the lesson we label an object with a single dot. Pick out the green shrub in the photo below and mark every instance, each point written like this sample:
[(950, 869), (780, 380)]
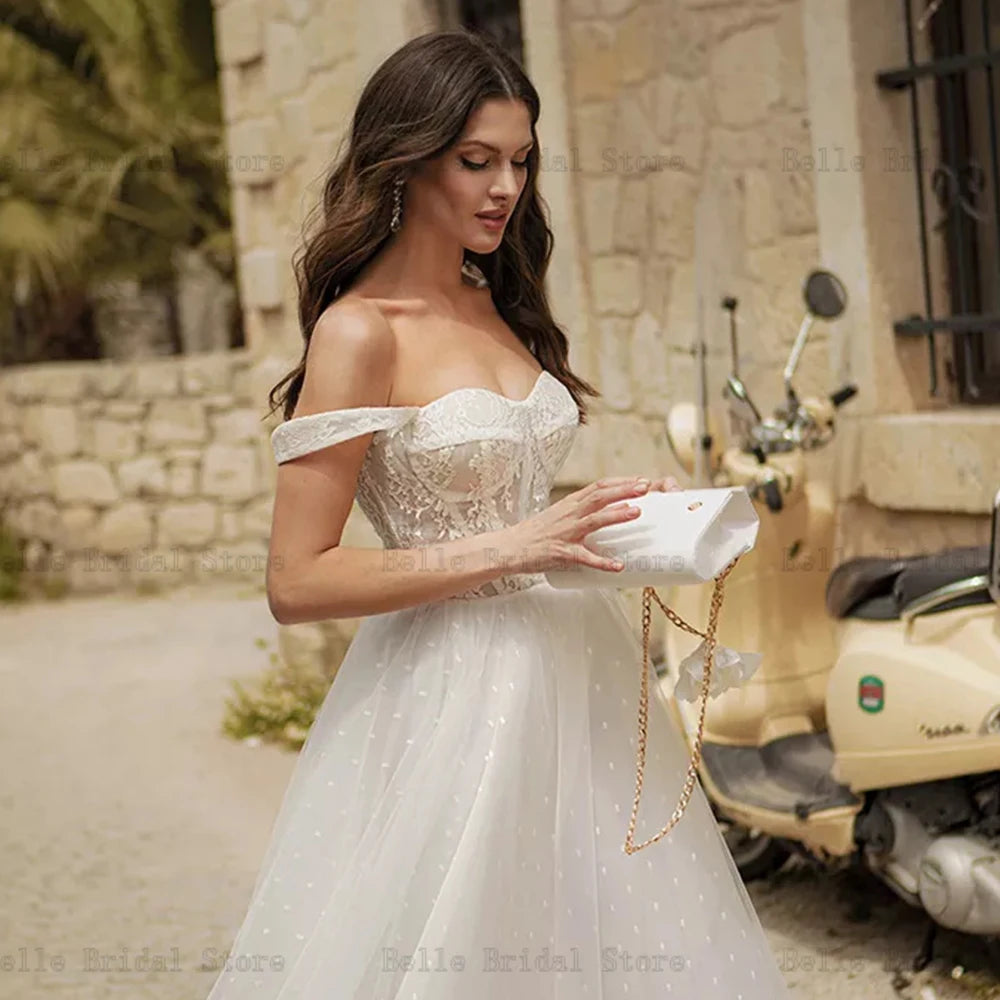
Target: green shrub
[(11, 566), (281, 706)]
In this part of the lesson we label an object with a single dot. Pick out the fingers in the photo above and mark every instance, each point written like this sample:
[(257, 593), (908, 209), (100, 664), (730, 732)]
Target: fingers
[(666, 485), (616, 480), (612, 487), (585, 557), (619, 490), (616, 513)]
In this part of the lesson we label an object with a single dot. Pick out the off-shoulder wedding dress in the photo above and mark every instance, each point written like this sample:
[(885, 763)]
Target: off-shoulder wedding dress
[(454, 826)]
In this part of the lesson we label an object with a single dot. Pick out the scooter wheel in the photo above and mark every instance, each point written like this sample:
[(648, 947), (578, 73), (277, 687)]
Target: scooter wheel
[(756, 854)]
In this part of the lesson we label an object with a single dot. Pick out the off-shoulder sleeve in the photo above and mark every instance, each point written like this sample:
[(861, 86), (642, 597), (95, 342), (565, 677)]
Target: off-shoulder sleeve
[(302, 435)]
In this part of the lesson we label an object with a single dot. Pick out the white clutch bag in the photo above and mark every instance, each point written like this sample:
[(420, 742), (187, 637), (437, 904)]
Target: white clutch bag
[(683, 536), (680, 537)]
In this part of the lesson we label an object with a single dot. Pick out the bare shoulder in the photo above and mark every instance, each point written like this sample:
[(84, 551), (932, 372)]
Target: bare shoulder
[(355, 329), (351, 357)]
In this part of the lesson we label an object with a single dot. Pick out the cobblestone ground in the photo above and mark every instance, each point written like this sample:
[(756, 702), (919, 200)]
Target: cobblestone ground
[(132, 829)]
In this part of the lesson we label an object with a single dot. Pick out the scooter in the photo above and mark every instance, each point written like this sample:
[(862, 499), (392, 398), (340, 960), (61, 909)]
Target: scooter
[(870, 733)]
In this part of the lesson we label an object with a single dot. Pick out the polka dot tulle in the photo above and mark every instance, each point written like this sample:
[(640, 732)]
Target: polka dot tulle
[(454, 825)]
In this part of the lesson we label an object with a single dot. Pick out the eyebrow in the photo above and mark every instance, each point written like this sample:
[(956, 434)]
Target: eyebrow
[(493, 149)]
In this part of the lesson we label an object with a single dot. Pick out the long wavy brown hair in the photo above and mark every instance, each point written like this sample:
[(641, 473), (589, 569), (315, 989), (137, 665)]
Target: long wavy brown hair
[(414, 107)]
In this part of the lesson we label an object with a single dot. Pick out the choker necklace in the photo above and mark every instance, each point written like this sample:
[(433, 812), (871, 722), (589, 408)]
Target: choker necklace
[(473, 275)]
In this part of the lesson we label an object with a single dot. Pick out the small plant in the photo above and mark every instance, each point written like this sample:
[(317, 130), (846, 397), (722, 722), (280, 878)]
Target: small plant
[(55, 587), (11, 566), (280, 709), (145, 587)]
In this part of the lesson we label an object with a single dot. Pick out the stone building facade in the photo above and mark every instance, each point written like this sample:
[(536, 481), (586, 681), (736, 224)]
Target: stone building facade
[(717, 144), (726, 146)]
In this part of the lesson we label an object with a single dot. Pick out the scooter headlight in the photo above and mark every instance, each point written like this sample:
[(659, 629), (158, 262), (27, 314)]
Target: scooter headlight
[(991, 724)]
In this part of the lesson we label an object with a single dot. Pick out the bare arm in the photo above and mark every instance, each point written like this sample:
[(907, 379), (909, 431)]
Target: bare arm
[(310, 575), (386, 579)]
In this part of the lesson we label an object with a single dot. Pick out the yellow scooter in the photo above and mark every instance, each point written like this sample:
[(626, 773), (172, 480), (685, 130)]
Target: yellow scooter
[(870, 733)]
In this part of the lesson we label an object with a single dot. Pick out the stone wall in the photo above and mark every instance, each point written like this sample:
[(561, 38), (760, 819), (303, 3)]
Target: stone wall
[(291, 72), (138, 475), (710, 94), (683, 150), (683, 117), (914, 472)]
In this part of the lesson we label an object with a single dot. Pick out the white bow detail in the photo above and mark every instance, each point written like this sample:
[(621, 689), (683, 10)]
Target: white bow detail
[(729, 669)]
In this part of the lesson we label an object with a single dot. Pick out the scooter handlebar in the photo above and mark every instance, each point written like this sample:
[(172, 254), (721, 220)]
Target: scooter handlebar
[(772, 495), (843, 394)]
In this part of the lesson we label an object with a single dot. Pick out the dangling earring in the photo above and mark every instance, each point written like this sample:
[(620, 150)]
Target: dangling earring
[(397, 206), (472, 275)]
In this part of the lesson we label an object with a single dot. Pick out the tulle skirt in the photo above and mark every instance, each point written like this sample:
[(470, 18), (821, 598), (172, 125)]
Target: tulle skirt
[(454, 825)]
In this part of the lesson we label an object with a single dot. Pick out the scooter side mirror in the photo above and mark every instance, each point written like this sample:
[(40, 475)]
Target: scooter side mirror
[(682, 436), (825, 294), (826, 298), (741, 406)]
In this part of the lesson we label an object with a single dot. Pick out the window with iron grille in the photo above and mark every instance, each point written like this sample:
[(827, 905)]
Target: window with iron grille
[(958, 192)]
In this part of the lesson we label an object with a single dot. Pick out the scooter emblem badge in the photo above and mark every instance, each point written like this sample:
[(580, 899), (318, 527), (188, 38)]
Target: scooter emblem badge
[(871, 693)]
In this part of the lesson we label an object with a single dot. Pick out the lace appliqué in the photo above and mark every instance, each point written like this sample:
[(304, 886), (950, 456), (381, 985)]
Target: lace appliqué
[(468, 463)]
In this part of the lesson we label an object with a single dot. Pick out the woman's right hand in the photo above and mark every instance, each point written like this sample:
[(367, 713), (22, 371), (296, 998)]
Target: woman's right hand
[(553, 539)]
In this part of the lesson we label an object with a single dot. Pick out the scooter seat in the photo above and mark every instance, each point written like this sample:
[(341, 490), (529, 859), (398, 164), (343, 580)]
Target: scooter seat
[(877, 589)]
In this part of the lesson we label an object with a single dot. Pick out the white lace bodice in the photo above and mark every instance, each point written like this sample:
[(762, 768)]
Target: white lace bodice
[(469, 462)]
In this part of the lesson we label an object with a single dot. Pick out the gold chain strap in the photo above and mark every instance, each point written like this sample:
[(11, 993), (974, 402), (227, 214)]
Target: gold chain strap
[(648, 593)]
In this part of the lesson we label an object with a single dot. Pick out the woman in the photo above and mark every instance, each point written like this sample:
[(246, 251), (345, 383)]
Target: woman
[(454, 826)]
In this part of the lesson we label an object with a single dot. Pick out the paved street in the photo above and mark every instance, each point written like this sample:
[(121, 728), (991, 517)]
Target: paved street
[(131, 826)]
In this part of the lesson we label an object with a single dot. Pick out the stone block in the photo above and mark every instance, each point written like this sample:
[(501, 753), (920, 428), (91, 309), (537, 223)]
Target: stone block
[(240, 560), (239, 35), (285, 68), (614, 362), (229, 472), (675, 196), (54, 428), (175, 421), (595, 62), (182, 479), (143, 476), (125, 528), (595, 135), (262, 278), (254, 151), (191, 523), (633, 215), (744, 82), (76, 530), (157, 379), (255, 519), (83, 481), (203, 374), (599, 195), (617, 284), (636, 42), (650, 365), (114, 440)]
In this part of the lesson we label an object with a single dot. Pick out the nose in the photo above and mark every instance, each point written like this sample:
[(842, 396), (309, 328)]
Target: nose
[(506, 184)]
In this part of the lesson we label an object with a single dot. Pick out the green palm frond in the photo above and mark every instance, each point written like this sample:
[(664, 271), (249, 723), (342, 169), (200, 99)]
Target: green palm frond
[(46, 243), (113, 136)]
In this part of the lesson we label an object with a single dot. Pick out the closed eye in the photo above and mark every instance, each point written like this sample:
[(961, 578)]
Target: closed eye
[(474, 165)]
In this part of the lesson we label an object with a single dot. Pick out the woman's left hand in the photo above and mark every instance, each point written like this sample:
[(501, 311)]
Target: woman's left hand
[(666, 484)]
